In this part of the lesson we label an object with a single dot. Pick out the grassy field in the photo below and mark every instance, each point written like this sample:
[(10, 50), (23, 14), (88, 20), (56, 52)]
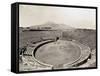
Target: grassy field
[(84, 36), (28, 37)]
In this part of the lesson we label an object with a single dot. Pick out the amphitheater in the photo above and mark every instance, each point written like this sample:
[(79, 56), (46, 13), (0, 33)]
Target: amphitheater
[(50, 53)]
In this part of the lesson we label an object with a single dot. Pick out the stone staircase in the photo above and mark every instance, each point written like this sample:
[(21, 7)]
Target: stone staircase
[(29, 51)]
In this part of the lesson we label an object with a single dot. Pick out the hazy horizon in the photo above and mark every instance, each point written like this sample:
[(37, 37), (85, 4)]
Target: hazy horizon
[(30, 15)]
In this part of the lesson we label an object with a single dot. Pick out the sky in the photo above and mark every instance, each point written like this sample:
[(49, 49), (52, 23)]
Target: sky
[(31, 15)]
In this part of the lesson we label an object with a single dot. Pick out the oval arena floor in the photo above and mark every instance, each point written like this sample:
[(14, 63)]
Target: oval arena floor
[(59, 52)]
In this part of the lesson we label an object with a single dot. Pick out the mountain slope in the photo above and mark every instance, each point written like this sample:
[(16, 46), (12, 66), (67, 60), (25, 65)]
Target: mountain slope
[(51, 26)]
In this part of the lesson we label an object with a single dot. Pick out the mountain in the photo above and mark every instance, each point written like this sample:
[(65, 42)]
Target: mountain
[(51, 26)]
